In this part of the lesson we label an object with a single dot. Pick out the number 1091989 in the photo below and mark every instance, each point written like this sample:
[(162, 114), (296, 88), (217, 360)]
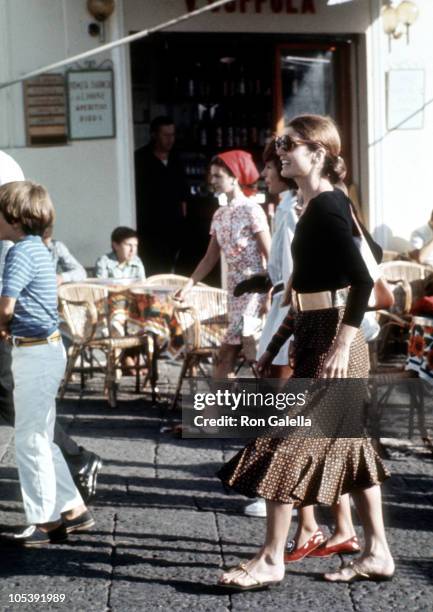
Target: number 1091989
[(37, 597)]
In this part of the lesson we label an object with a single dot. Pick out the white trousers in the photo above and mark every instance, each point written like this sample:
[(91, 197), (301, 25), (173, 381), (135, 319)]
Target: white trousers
[(46, 483)]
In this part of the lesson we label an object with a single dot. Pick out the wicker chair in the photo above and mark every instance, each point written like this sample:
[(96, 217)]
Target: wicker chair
[(164, 280), (390, 256), (168, 280), (407, 270), (407, 282), (84, 309), (406, 279), (203, 320)]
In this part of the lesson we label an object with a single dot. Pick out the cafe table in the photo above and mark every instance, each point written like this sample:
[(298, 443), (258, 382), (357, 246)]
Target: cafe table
[(134, 308)]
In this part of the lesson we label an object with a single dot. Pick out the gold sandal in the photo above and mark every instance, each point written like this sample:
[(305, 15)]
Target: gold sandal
[(258, 584), (359, 573)]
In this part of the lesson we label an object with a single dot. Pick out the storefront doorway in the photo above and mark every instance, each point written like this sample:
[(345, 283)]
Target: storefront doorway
[(229, 91)]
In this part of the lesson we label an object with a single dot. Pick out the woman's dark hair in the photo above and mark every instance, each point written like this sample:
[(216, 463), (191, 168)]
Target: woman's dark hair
[(217, 161), (321, 131), (270, 155)]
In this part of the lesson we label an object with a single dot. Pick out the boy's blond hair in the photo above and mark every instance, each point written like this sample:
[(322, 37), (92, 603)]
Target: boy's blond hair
[(29, 204)]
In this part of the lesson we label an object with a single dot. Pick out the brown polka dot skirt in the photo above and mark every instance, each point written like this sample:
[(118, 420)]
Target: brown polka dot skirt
[(310, 470)]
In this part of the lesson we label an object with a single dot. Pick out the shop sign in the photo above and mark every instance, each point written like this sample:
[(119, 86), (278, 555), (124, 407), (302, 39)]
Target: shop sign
[(258, 6), (90, 104), (45, 110)]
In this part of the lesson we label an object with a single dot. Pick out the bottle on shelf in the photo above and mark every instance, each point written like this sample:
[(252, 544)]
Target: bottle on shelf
[(228, 81), (237, 130), (218, 121), (191, 82), (191, 87), (229, 131), (204, 121), (241, 86)]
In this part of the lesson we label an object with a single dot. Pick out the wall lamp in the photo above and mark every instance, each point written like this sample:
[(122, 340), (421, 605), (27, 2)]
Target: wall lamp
[(100, 10), (396, 18)]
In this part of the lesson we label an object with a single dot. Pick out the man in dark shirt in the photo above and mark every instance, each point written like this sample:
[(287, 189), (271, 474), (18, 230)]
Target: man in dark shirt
[(161, 193)]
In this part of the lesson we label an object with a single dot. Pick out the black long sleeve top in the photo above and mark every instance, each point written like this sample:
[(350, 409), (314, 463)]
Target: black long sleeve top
[(326, 257)]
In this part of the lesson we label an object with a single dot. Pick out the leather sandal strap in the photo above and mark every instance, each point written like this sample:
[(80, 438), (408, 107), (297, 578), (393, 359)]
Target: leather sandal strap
[(244, 568), (358, 569)]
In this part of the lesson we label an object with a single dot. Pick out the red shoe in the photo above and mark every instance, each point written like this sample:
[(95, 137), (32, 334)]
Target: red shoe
[(349, 547), (299, 553)]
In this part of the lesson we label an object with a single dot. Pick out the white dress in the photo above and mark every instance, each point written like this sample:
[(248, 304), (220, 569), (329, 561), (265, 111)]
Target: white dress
[(280, 267)]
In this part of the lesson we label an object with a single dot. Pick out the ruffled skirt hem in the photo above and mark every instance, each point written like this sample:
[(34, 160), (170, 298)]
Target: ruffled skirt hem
[(317, 473)]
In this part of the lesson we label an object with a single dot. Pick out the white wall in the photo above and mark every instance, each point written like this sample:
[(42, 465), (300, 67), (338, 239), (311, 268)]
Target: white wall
[(90, 181), (78, 181), (405, 191)]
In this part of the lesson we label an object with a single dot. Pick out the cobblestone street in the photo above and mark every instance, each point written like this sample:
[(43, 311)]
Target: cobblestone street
[(164, 527)]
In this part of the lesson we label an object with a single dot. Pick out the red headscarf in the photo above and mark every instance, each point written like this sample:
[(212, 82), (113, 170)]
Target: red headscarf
[(244, 169)]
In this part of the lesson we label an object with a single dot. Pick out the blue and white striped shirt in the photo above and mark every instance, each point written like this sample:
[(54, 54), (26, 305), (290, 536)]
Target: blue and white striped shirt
[(30, 277)]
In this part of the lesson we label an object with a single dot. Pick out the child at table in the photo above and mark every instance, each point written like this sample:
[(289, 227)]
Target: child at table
[(29, 321), (123, 261)]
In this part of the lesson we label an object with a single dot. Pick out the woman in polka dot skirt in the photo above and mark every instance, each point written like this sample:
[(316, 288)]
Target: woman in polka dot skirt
[(331, 287)]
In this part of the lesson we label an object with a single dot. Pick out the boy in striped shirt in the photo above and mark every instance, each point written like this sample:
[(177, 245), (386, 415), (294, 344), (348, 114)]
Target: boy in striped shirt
[(28, 319)]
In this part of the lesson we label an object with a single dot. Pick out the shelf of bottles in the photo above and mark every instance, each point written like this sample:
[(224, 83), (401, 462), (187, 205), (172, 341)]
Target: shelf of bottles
[(222, 105)]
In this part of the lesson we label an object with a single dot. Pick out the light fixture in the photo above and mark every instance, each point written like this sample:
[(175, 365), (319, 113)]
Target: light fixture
[(407, 12), (101, 10), (395, 18)]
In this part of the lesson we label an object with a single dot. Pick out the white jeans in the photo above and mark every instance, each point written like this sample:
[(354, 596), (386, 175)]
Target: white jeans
[(46, 483)]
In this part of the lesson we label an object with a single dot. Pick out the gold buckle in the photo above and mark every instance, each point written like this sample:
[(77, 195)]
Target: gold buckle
[(315, 301)]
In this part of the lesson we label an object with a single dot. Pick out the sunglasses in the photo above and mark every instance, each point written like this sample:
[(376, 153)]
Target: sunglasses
[(287, 143)]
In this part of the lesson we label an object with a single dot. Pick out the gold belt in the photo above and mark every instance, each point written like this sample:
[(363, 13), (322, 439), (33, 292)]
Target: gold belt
[(319, 300), (22, 341)]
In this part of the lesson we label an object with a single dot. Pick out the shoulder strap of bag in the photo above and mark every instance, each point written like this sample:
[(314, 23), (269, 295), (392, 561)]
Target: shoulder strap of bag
[(365, 250)]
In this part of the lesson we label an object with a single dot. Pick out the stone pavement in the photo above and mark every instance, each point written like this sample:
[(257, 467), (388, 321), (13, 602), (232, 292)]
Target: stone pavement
[(165, 528)]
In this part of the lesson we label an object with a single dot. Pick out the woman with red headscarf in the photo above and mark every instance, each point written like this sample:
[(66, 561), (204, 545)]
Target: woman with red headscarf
[(240, 230)]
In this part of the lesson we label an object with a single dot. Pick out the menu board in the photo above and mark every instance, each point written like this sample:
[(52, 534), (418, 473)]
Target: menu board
[(45, 110), (91, 104)]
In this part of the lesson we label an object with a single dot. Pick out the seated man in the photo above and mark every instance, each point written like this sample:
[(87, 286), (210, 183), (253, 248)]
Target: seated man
[(123, 261), (422, 241), (68, 269)]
